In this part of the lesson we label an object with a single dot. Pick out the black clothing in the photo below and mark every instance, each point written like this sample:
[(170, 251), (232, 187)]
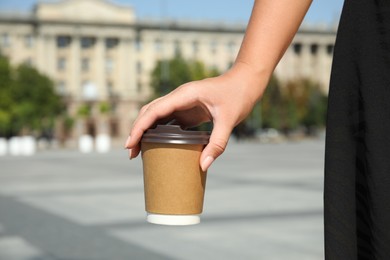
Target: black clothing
[(357, 161)]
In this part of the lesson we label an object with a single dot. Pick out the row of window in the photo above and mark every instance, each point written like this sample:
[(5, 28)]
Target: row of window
[(62, 88), (89, 42), (110, 89), (85, 64), (111, 43), (213, 46), (62, 41), (5, 40), (314, 48), (86, 42)]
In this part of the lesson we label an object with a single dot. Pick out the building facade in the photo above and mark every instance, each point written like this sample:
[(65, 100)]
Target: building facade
[(96, 51)]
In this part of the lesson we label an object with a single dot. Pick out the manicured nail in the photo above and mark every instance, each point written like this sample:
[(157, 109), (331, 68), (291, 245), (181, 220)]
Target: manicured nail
[(127, 142), (206, 163)]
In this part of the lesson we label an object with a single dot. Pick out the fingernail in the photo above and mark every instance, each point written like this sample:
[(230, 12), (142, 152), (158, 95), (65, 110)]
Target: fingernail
[(130, 155), (206, 163), (127, 142)]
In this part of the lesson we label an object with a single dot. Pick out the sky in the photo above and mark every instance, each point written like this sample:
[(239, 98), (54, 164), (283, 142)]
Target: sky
[(321, 11)]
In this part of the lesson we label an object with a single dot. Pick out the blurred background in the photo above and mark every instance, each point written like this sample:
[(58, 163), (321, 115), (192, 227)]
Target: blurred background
[(73, 76)]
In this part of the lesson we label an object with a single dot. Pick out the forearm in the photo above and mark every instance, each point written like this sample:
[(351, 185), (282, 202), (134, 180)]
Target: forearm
[(271, 28)]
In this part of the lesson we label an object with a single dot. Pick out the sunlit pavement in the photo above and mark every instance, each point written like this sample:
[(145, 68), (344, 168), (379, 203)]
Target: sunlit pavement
[(263, 201)]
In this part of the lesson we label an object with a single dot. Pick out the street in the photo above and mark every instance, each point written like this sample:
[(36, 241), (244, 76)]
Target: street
[(263, 201)]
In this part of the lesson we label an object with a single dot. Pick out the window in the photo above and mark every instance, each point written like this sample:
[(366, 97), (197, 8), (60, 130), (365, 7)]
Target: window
[(112, 43), (231, 46), (63, 41), (213, 46), (29, 41), (139, 87), (139, 67), (314, 49), (5, 40), (138, 44), (195, 47), (61, 64), (110, 89), (177, 47), (61, 88), (85, 64), (87, 42), (158, 45), (297, 47), (109, 65)]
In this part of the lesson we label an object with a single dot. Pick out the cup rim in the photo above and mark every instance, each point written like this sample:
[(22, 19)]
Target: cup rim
[(174, 134)]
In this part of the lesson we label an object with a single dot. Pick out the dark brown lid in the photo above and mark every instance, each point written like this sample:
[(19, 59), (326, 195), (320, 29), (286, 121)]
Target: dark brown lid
[(173, 134)]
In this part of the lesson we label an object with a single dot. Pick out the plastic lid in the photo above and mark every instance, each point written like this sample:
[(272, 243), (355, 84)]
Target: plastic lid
[(173, 134)]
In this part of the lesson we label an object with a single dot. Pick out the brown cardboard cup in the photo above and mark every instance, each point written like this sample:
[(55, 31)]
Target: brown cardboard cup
[(174, 183)]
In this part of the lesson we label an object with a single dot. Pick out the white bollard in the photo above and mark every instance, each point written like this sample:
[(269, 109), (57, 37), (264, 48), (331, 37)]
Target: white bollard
[(86, 144), (103, 143), (28, 145), (15, 146), (3, 146)]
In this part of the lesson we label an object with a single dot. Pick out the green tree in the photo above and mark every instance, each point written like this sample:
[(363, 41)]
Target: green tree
[(28, 101), (267, 113), (310, 101), (169, 74), (36, 104), (6, 101), (296, 103), (271, 105), (316, 112)]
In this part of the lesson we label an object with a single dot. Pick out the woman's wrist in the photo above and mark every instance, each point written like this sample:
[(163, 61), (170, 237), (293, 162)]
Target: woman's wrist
[(251, 81)]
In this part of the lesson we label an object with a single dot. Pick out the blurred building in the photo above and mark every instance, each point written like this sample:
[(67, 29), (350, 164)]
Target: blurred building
[(97, 51)]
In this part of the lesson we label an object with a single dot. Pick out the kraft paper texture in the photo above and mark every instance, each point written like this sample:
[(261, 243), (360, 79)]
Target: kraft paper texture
[(173, 180)]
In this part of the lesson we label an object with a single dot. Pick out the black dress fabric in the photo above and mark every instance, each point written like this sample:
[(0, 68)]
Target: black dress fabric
[(357, 160)]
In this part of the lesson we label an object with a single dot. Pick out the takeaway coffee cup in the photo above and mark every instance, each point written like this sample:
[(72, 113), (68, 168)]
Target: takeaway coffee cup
[(174, 183)]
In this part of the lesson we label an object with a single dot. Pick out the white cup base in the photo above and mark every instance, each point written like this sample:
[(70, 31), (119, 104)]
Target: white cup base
[(173, 220)]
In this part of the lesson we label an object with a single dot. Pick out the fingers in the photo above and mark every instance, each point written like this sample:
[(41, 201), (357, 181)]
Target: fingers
[(135, 151), (163, 107), (217, 145)]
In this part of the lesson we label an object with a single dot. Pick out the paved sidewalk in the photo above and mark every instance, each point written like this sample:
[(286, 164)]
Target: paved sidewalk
[(263, 201)]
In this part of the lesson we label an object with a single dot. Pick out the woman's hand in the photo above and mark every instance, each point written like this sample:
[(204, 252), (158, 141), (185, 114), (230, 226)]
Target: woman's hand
[(225, 100)]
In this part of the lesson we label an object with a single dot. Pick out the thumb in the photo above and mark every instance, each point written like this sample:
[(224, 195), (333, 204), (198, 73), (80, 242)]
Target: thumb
[(216, 146)]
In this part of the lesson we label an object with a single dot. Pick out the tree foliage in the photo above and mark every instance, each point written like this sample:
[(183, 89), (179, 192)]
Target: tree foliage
[(310, 103), (5, 94), (169, 74), (28, 100), (290, 105)]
